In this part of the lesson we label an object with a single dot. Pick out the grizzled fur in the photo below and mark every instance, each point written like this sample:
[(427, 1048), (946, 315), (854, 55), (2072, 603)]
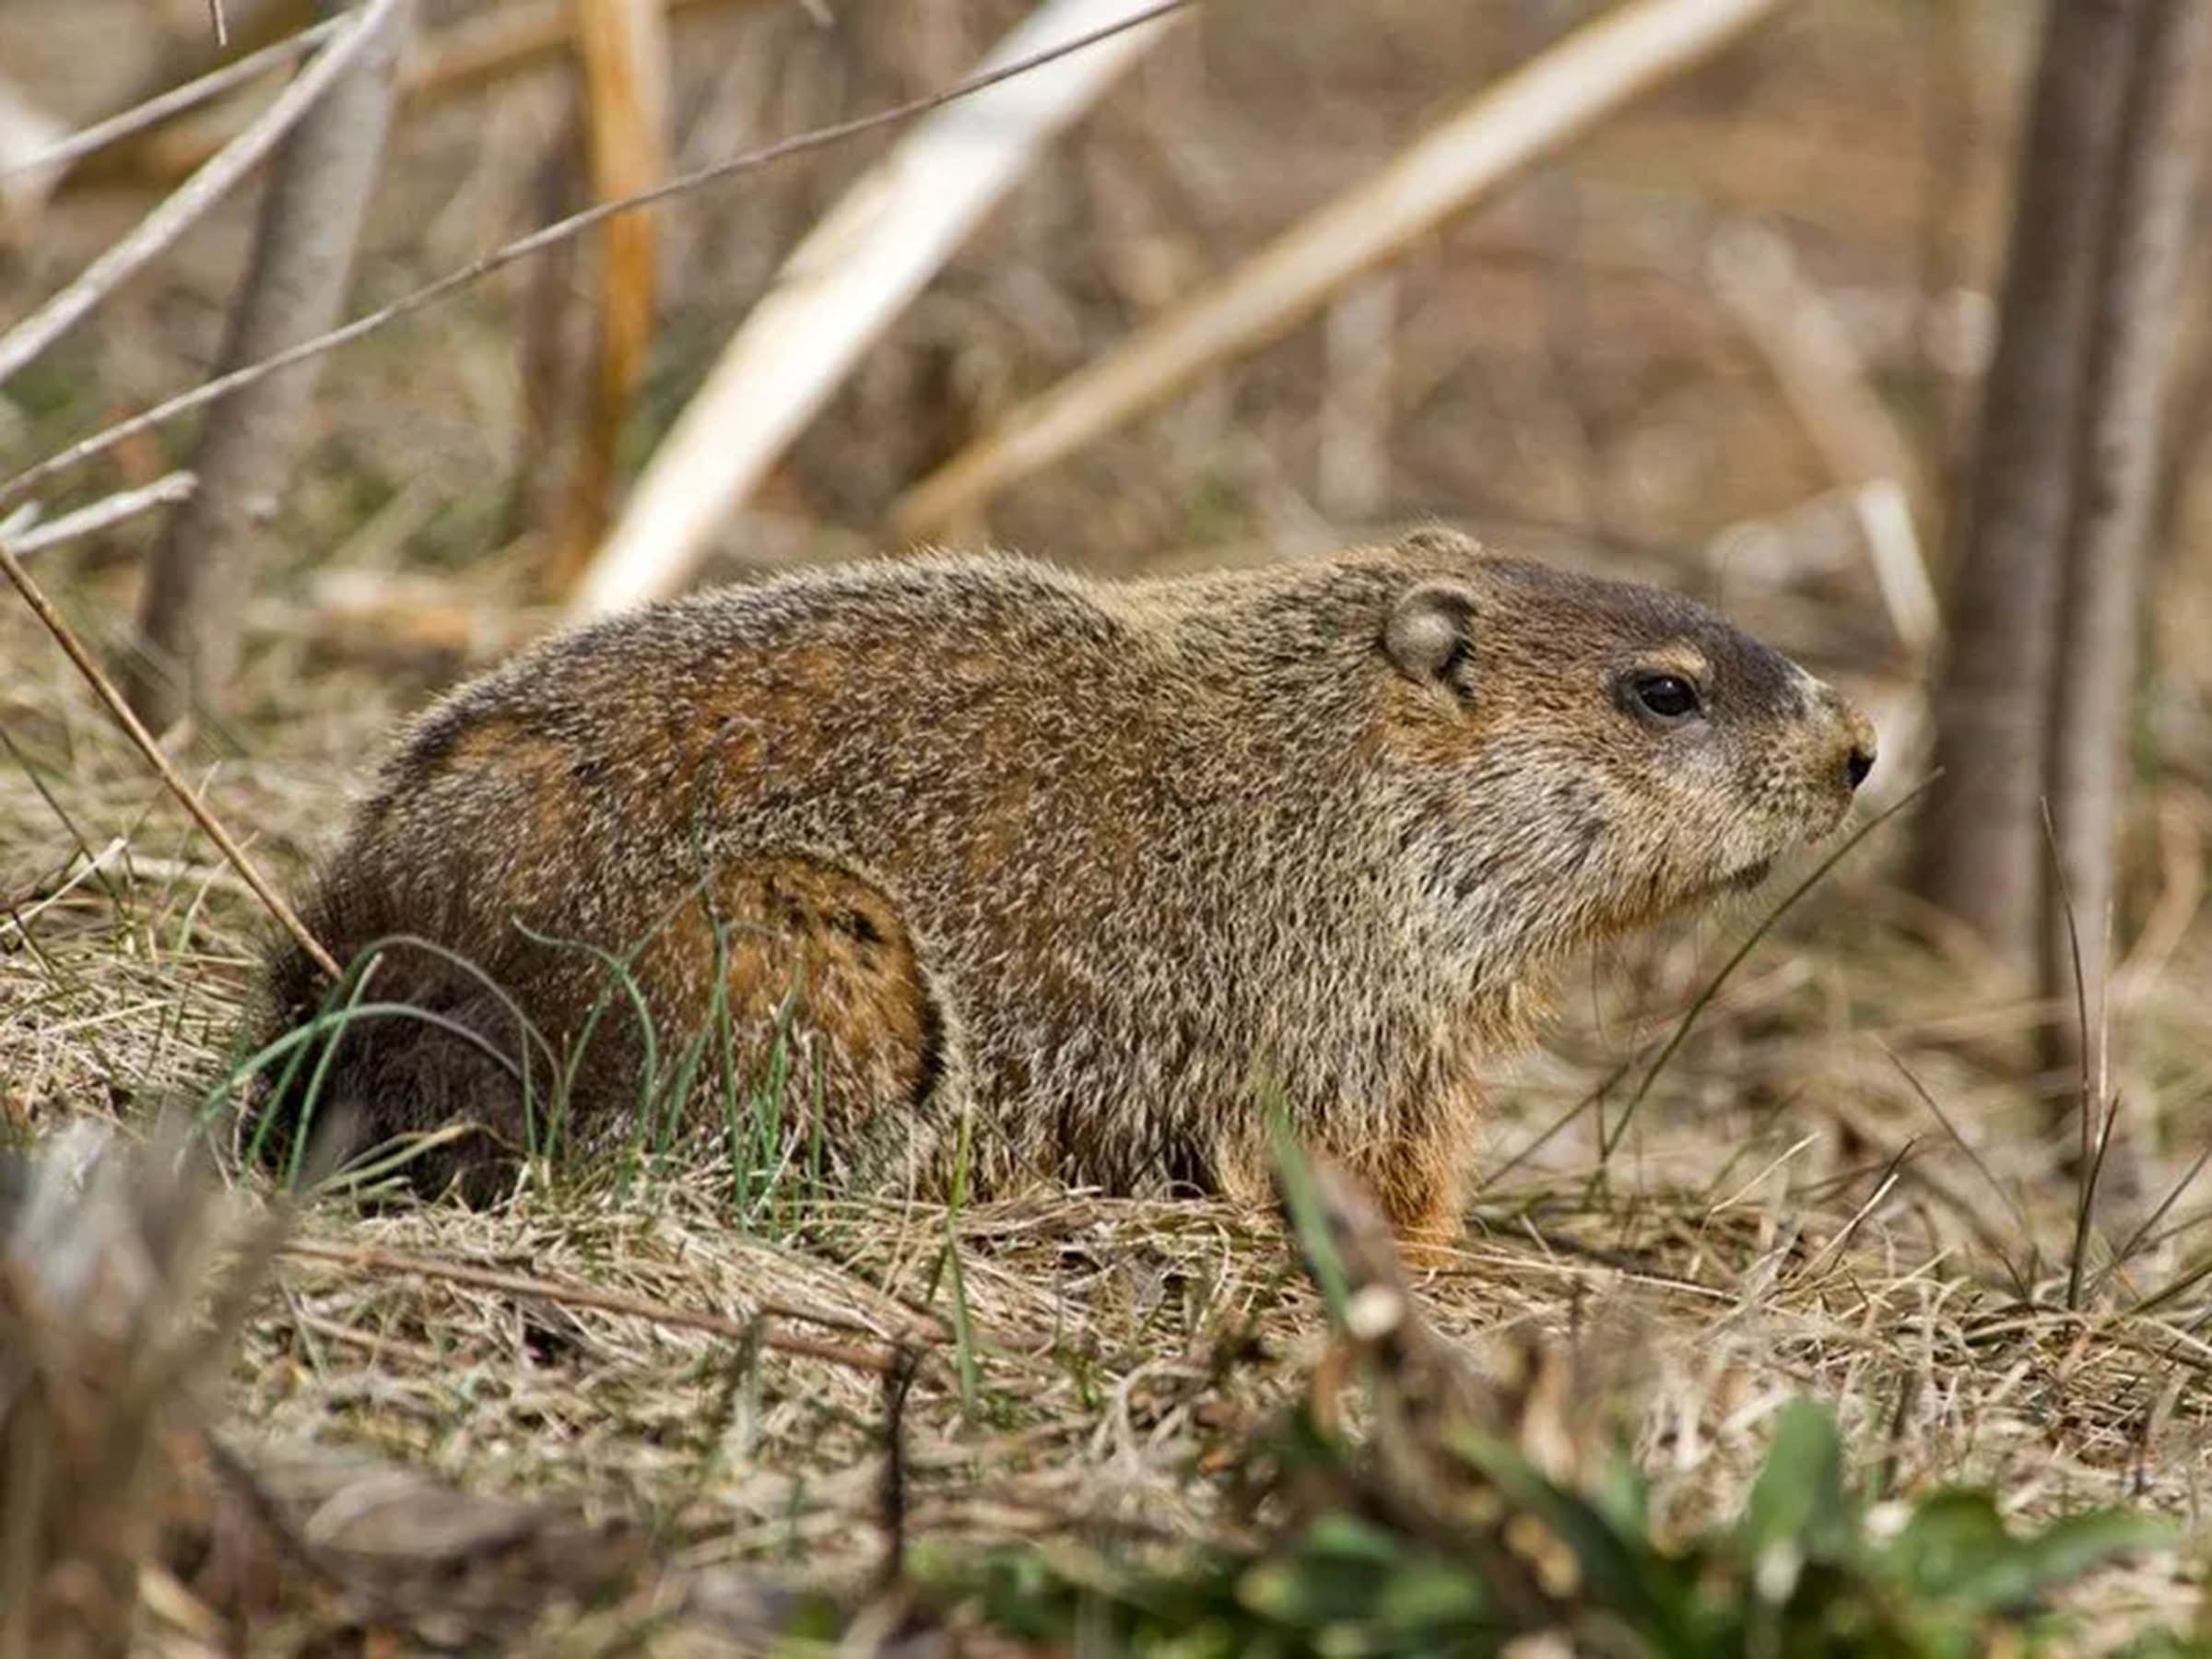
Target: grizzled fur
[(1095, 864)]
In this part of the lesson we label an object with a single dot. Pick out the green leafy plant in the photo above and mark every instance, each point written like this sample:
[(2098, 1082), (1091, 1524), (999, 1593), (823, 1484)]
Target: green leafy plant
[(1800, 1572)]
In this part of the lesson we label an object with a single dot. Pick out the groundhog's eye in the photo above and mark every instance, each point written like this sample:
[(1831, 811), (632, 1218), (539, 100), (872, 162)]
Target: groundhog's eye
[(1668, 696)]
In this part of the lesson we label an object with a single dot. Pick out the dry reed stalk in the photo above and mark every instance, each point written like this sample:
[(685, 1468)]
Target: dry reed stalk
[(623, 45), (1527, 116), (845, 283)]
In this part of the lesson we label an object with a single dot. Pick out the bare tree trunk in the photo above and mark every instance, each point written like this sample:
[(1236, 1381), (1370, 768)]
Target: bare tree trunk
[(2142, 252), (310, 225), (1982, 840)]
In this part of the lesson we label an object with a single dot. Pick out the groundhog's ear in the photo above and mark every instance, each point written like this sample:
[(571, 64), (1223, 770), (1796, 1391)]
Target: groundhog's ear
[(1430, 634)]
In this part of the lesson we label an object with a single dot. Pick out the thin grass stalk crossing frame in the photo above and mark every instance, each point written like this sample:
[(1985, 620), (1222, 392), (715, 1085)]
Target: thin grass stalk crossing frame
[(104, 689), (1609, 1139)]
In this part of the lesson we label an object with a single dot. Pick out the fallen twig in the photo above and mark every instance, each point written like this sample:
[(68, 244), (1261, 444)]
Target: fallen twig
[(884, 1360)]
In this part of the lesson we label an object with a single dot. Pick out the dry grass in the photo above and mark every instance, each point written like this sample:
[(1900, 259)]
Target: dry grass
[(1783, 1214)]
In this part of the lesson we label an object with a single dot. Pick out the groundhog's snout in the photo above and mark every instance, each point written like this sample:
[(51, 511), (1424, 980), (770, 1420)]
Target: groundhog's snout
[(1859, 742)]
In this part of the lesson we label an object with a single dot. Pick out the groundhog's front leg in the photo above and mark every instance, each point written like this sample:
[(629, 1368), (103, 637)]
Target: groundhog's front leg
[(1418, 1179), (1422, 1189), (1417, 1160)]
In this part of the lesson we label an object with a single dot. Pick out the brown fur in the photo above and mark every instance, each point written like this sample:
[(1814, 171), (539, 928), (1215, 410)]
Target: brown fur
[(1094, 865)]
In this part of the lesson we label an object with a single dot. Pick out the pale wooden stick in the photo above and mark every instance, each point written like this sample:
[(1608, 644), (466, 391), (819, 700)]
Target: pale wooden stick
[(2181, 896), (194, 196), (1352, 464), (1529, 114), (839, 289), (1900, 568), (164, 492), (1806, 348), (234, 855), (26, 174)]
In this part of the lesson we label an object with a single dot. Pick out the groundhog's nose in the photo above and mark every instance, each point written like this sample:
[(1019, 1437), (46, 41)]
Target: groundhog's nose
[(1858, 760)]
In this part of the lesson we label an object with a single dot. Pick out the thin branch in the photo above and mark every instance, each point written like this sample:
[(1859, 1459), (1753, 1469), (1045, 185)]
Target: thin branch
[(234, 855), (153, 111), (164, 492), (548, 236), (466, 53), (194, 196)]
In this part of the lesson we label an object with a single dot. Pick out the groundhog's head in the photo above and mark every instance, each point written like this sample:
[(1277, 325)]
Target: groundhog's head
[(1588, 755)]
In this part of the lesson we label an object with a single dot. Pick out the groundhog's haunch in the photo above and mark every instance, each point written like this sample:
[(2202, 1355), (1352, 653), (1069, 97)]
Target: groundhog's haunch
[(1100, 866)]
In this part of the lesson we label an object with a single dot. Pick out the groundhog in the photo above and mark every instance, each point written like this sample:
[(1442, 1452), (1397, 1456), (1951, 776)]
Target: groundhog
[(968, 861)]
